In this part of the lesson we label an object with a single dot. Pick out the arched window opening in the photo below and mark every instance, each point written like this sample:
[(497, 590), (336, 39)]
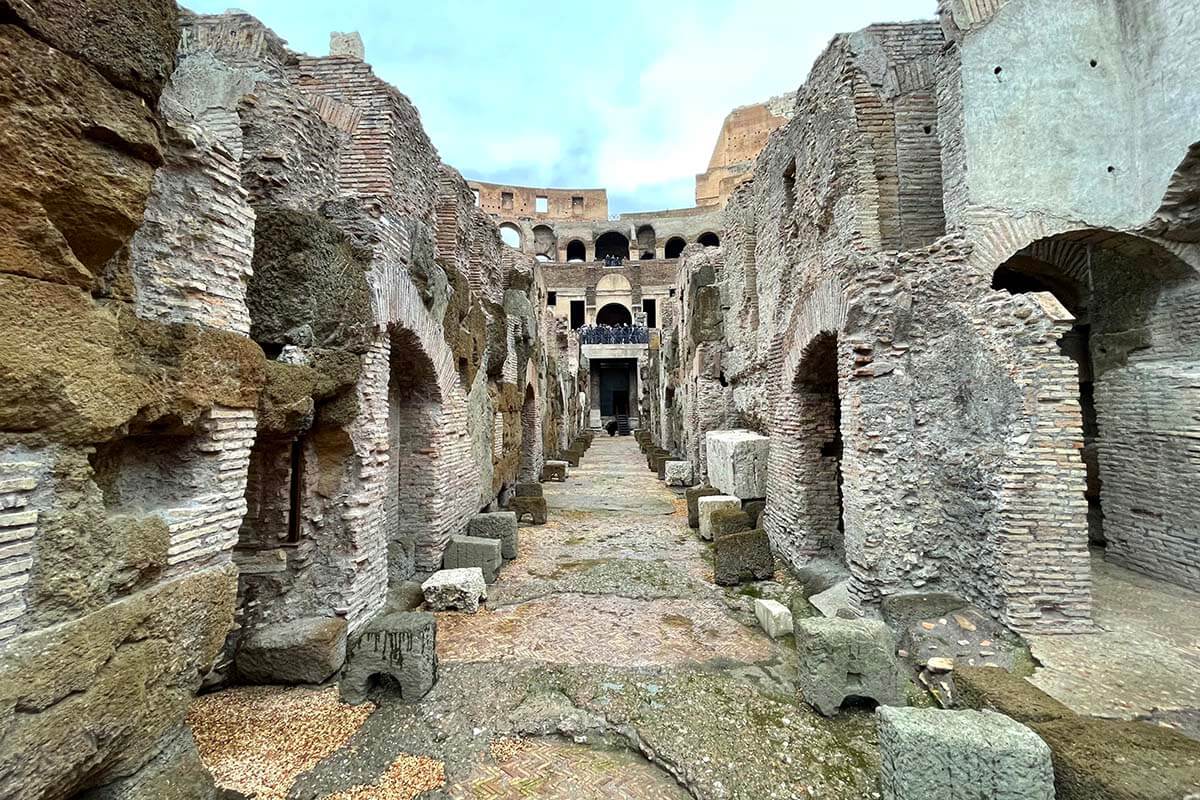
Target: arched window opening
[(646, 240), (614, 314), (674, 247), (612, 244), (647, 255), (545, 243), (576, 250), (511, 235), (709, 239)]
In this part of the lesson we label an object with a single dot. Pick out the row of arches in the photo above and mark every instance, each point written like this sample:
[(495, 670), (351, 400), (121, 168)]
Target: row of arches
[(610, 244)]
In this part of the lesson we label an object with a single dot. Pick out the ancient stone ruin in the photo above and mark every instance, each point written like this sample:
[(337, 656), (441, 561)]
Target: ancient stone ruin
[(308, 441)]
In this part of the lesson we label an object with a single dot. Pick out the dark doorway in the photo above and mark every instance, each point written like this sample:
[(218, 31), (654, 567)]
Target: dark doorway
[(577, 314), (614, 388), (614, 314), (674, 247), (651, 309), (576, 251), (612, 244), (709, 239)]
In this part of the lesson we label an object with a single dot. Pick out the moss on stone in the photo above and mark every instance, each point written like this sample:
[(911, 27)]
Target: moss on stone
[(999, 690)]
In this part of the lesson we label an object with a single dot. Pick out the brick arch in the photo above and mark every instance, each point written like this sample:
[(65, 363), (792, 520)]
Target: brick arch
[(803, 512)]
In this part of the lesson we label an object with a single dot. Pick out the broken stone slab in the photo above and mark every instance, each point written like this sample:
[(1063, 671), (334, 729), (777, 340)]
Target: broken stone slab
[(961, 755), (725, 521), (306, 650), (693, 496), (708, 505), (743, 557), (840, 658), (554, 471), (460, 589), (533, 508), (737, 462), (500, 525), (832, 600), (401, 646), (471, 551), (774, 617), (678, 473)]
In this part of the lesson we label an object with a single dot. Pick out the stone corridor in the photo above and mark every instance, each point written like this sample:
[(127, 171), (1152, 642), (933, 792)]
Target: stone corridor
[(606, 664)]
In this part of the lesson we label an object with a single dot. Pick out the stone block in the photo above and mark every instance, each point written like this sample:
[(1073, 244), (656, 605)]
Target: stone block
[(928, 754), (842, 658), (743, 557), (306, 650), (471, 551), (529, 490), (737, 462), (774, 617), (572, 457), (401, 646), (460, 589), (707, 505), (678, 473), (554, 471), (833, 600), (693, 496), (532, 507), (725, 521), (500, 525)]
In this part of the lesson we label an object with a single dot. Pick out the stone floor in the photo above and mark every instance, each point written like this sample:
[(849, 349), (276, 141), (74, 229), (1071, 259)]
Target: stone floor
[(1143, 661), (606, 664)]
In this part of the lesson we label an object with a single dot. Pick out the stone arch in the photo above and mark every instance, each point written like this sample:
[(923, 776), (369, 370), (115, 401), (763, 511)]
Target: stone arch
[(647, 242), (805, 512), (612, 243), (530, 467), (614, 314), (511, 235), (708, 239), (674, 247), (545, 243), (1134, 339), (576, 250), (613, 283)]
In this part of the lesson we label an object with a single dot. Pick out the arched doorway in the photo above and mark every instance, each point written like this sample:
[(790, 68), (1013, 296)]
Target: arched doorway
[(614, 314), (612, 244), (709, 239), (646, 242), (1134, 344), (674, 247), (510, 234), (805, 504), (576, 250), (414, 416), (531, 439)]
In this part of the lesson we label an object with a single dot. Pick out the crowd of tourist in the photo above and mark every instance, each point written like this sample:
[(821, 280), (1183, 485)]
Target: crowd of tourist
[(614, 334), (613, 261)]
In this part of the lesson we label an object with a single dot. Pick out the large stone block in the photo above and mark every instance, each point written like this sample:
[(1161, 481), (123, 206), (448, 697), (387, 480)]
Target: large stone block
[(455, 589), (678, 473), (708, 505), (176, 773), (693, 496), (401, 646), (930, 754), (725, 521), (500, 525), (743, 557), (531, 489), (470, 551), (737, 462), (532, 507), (842, 658), (306, 650), (554, 471)]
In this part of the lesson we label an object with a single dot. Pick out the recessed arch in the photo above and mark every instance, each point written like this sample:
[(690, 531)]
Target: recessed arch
[(510, 234), (647, 241), (612, 243), (614, 283), (576, 250), (614, 314), (674, 247), (545, 242), (708, 239)]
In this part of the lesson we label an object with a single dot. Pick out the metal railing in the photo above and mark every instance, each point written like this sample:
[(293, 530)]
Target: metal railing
[(614, 334)]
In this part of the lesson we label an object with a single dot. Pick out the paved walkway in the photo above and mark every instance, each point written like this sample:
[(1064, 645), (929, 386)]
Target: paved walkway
[(1143, 661)]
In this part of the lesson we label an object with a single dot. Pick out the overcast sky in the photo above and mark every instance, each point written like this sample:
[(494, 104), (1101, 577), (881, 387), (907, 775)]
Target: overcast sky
[(623, 94)]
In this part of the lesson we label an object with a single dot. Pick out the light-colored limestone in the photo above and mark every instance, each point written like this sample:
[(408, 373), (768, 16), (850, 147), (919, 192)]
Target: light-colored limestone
[(708, 505)]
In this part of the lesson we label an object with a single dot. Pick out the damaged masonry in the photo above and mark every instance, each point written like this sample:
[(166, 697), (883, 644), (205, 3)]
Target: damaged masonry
[(326, 472)]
